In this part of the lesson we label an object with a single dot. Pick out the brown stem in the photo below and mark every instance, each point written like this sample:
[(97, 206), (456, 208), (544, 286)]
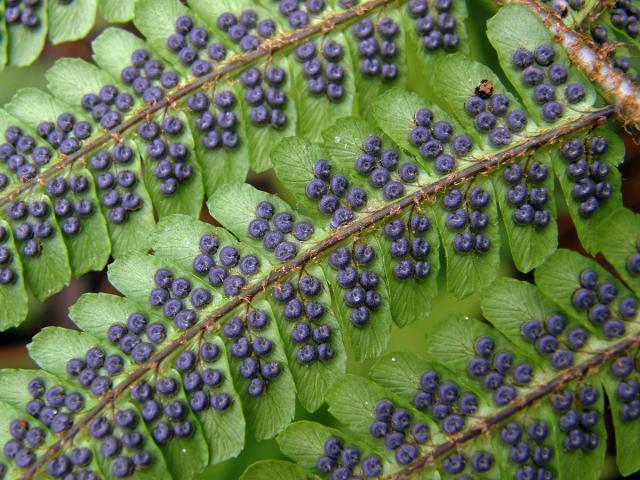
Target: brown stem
[(537, 393), (238, 62), (594, 63), (356, 228)]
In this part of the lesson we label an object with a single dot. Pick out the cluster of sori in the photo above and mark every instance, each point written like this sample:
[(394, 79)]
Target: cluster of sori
[(455, 464), (68, 206), (548, 338), (596, 298), (218, 126), (298, 12), (409, 248), (633, 260), (445, 402), (200, 380), (435, 139), (239, 30), (171, 158), (96, 369), (588, 173), (144, 75), (495, 367), (381, 166), (625, 17), (526, 194), (627, 389), (130, 338), (252, 350), (189, 41), (359, 285), (117, 184), (7, 274), (530, 454), (275, 97), (376, 47), (108, 105), (344, 463), (534, 66), (30, 236), (565, 7), (302, 307), (19, 146), (323, 78), (161, 410), (284, 223), (52, 410), (22, 12), (170, 295), (328, 189), (399, 432), (467, 218), (221, 274), (491, 115), (579, 421), (438, 30)]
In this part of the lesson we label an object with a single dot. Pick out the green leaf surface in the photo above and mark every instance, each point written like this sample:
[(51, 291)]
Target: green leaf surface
[(370, 340), (458, 78), (276, 470), (369, 87), (304, 442), (48, 272), (317, 112), (589, 228), (506, 33), (234, 206), (471, 272), (394, 112), (559, 277), (411, 299), (185, 456), (223, 431), (89, 249), (117, 11), (25, 44), (72, 21), (344, 144), (619, 241), (269, 413), (293, 160), (313, 380), (52, 347), (421, 61), (14, 302), (626, 432), (529, 246)]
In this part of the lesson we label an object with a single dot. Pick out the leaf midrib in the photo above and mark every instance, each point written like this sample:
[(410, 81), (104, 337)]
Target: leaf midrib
[(238, 62), (426, 192)]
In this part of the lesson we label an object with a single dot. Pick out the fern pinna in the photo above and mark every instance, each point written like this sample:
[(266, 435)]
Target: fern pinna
[(407, 146)]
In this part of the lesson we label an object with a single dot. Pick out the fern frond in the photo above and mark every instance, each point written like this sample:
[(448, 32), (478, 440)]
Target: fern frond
[(156, 146), (449, 420)]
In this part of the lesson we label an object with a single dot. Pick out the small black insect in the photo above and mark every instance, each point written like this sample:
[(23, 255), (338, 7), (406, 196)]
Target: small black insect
[(484, 89)]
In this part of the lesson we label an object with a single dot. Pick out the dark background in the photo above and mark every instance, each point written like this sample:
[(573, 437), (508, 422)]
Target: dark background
[(13, 351)]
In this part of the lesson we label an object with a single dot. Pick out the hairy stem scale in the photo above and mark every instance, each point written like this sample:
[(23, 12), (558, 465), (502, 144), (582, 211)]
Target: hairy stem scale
[(424, 193)]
